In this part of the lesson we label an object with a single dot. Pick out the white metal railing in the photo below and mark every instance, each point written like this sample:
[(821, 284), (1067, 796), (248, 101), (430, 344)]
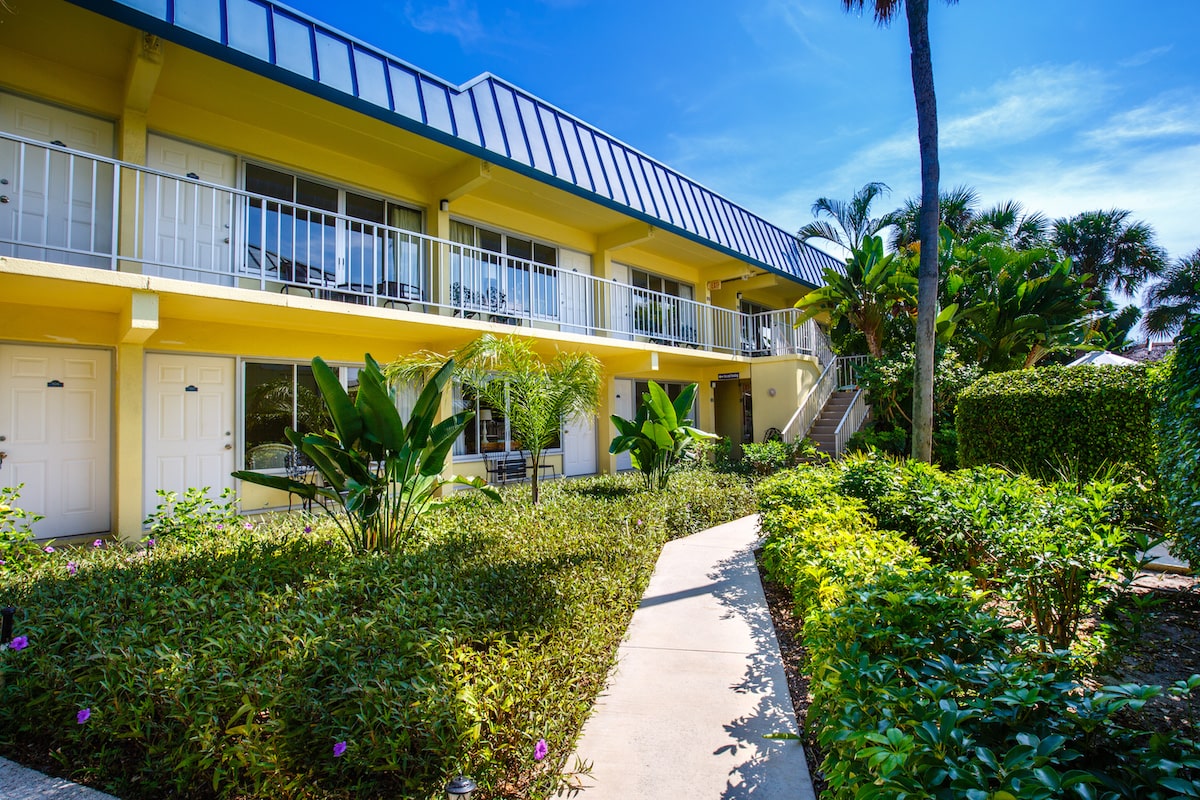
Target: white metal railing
[(810, 407), (69, 207), (848, 369), (850, 422)]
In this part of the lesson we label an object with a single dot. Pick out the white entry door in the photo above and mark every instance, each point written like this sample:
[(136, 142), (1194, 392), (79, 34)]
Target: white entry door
[(576, 300), (55, 429), (189, 231), (59, 205), (622, 407), (189, 424), (579, 446)]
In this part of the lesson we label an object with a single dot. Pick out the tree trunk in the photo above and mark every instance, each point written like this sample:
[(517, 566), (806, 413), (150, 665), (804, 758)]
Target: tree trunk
[(927, 271)]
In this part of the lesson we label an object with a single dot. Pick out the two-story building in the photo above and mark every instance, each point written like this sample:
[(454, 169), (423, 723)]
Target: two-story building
[(198, 196)]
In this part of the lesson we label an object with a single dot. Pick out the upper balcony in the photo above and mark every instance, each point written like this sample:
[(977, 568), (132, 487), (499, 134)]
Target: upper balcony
[(63, 206)]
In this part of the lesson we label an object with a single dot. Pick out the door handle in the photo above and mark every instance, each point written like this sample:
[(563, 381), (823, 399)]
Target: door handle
[(3, 456), (228, 447)]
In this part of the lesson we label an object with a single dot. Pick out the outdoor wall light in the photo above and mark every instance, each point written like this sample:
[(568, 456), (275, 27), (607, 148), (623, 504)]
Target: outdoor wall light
[(461, 788), (771, 392), (444, 205)]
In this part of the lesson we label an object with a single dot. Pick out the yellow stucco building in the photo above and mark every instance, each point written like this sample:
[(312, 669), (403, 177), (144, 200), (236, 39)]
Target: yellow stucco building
[(197, 197)]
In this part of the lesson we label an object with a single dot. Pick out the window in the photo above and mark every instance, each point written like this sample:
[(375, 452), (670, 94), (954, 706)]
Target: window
[(662, 308), (281, 396), (504, 276), (292, 232), (488, 431)]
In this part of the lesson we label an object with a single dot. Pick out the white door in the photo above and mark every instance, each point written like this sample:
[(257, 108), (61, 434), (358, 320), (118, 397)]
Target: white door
[(189, 231), (579, 446), (623, 407), (55, 431), (575, 298), (189, 424), (60, 205), (620, 303)]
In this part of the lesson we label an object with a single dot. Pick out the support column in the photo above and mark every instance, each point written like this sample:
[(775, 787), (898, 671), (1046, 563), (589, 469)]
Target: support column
[(138, 322), (141, 77)]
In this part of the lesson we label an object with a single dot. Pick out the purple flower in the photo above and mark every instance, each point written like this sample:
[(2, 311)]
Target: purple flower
[(48, 549), (19, 643), (220, 526), (308, 528), (339, 749), (83, 716), (540, 750), (150, 543), (98, 543), (72, 568), (249, 526)]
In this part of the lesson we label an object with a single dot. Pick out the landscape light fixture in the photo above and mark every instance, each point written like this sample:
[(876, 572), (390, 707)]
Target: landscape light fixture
[(461, 788)]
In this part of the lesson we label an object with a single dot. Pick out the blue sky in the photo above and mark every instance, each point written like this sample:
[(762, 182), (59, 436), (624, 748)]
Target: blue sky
[(1062, 105)]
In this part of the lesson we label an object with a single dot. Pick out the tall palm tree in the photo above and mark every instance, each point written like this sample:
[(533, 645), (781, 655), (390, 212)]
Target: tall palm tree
[(1012, 226), (851, 221), (917, 14), (1113, 250), (1174, 297)]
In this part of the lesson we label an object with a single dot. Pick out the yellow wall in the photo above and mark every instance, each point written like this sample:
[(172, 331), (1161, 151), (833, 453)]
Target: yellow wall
[(790, 378)]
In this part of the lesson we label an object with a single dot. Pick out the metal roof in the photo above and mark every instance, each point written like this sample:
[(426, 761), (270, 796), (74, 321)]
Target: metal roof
[(486, 117)]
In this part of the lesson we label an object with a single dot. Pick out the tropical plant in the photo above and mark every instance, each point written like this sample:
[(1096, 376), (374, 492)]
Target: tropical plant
[(872, 288), (917, 13), (1177, 429), (198, 513), (851, 222), (536, 396), (1174, 296), (659, 434), (1110, 248), (382, 472)]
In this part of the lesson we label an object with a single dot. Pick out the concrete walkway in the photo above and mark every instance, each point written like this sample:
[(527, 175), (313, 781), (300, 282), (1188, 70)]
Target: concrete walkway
[(20, 783), (698, 683)]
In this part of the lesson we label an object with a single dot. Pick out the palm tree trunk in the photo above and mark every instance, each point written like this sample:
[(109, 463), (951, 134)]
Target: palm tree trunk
[(927, 270)]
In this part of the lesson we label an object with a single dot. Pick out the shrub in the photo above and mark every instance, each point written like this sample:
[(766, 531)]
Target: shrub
[(825, 550), (796, 488), (1034, 419), (919, 691), (771, 456), (1178, 434), (17, 548), (659, 434), (192, 516)]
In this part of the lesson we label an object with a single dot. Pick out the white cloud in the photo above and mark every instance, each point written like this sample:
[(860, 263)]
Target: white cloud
[(457, 18), (1144, 57), (1165, 116)]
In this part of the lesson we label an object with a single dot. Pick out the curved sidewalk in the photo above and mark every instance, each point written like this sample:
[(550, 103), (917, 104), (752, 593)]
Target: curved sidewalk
[(698, 682)]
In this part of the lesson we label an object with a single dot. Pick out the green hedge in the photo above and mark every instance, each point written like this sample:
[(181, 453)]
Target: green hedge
[(232, 666), (1040, 420), (1178, 430), (920, 686)]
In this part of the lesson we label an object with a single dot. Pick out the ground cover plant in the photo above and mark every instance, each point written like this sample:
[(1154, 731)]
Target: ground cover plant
[(271, 660), (927, 680)]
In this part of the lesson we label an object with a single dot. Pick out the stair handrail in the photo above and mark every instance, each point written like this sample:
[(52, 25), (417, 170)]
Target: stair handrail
[(810, 407), (851, 421)]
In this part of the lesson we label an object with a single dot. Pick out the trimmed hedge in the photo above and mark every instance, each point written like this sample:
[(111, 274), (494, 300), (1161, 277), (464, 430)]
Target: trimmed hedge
[(1178, 431), (1040, 420)]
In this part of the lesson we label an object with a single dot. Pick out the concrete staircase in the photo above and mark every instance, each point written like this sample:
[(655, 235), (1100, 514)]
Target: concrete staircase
[(822, 433)]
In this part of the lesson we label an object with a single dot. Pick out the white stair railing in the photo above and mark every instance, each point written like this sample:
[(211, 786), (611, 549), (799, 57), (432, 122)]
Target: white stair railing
[(850, 422), (812, 404)]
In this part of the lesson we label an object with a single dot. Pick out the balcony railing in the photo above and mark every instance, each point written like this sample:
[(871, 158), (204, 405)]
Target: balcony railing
[(64, 206)]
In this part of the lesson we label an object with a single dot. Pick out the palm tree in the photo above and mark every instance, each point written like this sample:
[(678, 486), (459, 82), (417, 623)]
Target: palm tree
[(1110, 248), (917, 13), (1174, 297), (1009, 223), (505, 373), (957, 208), (873, 288), (852, 222)]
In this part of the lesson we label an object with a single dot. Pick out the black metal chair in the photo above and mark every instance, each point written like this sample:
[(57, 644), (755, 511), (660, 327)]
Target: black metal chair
[(506, 467)]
